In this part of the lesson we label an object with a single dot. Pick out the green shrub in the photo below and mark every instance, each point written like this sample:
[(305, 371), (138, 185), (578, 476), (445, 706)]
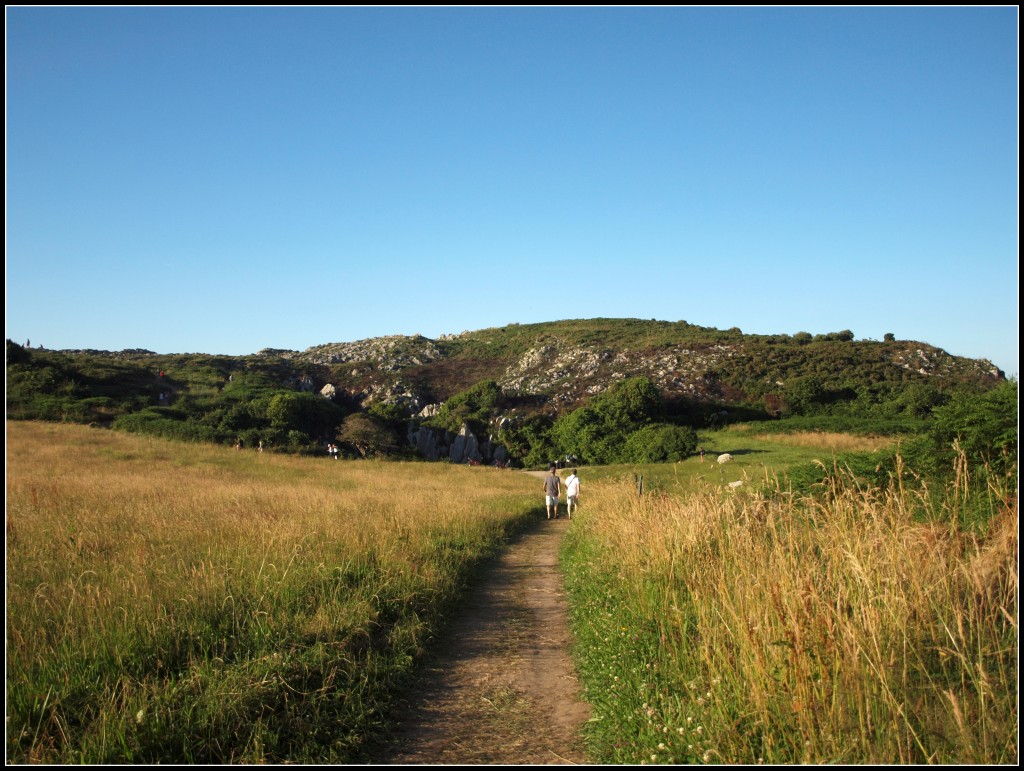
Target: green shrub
[(474, 407), (984, 426), (598, 431), (166, 422), (660, 443), (529, 440)]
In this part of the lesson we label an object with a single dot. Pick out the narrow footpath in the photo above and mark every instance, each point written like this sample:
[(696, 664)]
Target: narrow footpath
[(502, 689)]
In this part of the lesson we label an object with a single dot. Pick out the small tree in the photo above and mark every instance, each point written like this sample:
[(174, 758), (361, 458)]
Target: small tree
[(369, 436)]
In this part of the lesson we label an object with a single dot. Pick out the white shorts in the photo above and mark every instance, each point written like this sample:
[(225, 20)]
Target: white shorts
[(551, 500)]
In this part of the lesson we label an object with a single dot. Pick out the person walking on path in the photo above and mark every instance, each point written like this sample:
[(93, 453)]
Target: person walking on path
[(552, 484), (572, 493)]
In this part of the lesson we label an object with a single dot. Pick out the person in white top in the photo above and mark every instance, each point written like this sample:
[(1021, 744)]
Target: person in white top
[(572, 492)]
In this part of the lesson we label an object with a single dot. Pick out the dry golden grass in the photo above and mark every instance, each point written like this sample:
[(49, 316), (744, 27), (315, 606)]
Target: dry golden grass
[(807, 631), (826, 440), (134, 564)]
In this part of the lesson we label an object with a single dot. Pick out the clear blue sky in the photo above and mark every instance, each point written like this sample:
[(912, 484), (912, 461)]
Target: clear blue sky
[(222, 180)]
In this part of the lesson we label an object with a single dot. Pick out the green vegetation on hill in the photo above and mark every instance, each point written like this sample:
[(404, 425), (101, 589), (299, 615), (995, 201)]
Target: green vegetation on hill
[(544, 390), (623, 424)]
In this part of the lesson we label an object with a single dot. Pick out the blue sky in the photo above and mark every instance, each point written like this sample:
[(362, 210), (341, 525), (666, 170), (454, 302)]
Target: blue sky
[(222, 180)]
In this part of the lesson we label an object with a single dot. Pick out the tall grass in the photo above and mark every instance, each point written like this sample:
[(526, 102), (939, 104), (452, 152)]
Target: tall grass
[(794, 629), (185, 603), (829, 440)]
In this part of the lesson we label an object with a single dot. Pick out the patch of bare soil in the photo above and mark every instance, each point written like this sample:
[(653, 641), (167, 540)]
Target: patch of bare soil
[(502, 689)]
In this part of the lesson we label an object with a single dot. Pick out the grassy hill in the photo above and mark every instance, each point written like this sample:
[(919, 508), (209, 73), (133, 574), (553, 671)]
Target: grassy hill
[(705, 377)]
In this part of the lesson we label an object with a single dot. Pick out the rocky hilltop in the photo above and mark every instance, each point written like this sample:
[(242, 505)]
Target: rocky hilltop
[(556, 366)]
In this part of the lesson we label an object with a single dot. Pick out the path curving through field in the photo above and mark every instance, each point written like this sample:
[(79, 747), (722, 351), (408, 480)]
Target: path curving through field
[(502, 688)]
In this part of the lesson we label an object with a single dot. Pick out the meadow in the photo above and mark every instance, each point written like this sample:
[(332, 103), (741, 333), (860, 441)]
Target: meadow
[(179, 602), (857, 626), (176, 602), (757, 459)]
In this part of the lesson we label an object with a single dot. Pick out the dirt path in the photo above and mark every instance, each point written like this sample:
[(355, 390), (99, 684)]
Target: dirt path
[(502, 689)]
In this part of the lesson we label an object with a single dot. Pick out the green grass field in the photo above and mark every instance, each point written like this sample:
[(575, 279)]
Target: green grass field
[(757, 460)]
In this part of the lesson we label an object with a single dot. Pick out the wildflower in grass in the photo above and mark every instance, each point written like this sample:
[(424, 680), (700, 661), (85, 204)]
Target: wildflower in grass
[(661, 746), (140, 715)]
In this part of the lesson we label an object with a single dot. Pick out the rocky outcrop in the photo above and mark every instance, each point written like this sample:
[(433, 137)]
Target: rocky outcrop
[(393, 392), (386, 354), (463, 447), (570, 373)]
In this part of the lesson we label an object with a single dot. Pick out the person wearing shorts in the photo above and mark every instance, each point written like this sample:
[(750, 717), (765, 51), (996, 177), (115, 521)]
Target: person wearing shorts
[(552, 484), (572, 493)]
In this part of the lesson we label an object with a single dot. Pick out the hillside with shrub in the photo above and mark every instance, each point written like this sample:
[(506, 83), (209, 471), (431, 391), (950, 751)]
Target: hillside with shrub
[(605, 390)]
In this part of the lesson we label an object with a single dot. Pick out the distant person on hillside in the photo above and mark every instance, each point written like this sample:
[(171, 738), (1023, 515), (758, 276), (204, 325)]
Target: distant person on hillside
[(552, 484), (701, 454), (572, 493)]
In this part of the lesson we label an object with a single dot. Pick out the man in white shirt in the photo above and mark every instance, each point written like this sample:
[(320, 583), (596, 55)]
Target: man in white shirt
[(572, 492)]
